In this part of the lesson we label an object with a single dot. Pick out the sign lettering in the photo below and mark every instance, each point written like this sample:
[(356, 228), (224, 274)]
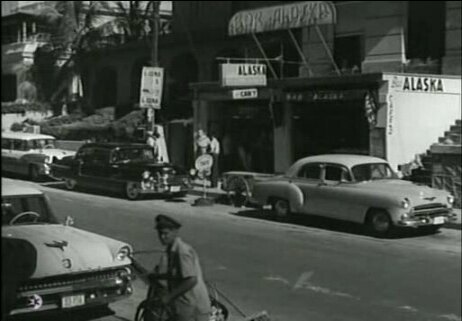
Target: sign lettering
[(245, 93), (243, 75), (151, 87), (423, 84), (295, 15)]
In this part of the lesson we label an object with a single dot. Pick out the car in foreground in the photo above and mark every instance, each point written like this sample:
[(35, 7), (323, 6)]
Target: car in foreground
[(30, 154), (49, 268), (356, 188), (130, 169)]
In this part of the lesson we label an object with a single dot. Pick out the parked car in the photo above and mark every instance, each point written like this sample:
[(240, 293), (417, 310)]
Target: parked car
[(30, 154), (67, 268), (119, 167), (355, 188)]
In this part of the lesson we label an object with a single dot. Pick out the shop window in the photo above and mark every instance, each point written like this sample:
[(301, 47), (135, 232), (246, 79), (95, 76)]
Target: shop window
[(348, 53), (9, 88), (426, 30)]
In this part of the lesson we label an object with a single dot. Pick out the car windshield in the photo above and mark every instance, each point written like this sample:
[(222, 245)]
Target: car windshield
[(373, 171), (13, 207), (40, 143), (133, 154)]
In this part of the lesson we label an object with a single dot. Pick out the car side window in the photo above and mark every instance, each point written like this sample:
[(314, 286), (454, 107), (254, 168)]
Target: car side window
[(101, 155), (336, 173), (84, 154), (310, 171), (19, 145), (6, 143)]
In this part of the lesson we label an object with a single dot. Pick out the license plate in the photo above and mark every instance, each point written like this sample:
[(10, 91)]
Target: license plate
[(175, 189), (73, 301), (438, 220), (262, 316)]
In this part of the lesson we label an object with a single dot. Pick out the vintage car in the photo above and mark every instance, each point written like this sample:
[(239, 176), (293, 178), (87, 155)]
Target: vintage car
[(68, 269), (355, 188), (121, 167), (30, 154)]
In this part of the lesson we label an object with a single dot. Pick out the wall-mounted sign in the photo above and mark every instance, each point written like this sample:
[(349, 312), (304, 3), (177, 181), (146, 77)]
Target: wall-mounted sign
[(245, 93), (325, 95), (290, 16), (151, 87), (243, 75), (418, 84)]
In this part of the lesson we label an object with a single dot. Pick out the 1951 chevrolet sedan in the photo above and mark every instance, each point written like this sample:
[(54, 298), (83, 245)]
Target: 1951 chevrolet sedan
[(355, 188), (49, 269)]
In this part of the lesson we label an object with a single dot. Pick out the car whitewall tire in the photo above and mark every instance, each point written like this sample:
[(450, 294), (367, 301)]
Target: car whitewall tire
[(281, 208), (70, 183), (132, 191)]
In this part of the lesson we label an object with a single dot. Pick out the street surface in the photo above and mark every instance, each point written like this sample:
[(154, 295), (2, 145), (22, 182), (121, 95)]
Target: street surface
[(305, 270)]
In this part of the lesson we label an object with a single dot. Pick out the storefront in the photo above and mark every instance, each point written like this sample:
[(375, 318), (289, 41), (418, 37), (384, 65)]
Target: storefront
[(391, 116)]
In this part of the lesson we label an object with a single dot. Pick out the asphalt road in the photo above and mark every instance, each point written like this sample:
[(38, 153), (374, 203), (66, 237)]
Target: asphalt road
[(304, 270)]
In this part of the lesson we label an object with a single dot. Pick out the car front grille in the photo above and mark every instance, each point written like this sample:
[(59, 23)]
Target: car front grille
[(70, 280), (433, 209)]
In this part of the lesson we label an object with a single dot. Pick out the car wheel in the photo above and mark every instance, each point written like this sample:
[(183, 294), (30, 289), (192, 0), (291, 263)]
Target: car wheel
[(281, 208), (132, 191), (379, 223), (34, 173), (70, 183)]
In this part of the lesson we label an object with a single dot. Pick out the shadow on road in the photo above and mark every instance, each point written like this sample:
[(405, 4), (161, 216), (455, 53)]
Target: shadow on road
[(93, 191), (327, 224)]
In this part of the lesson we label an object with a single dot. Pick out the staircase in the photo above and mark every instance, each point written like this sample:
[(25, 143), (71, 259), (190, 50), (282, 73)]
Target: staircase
[(446, 169)]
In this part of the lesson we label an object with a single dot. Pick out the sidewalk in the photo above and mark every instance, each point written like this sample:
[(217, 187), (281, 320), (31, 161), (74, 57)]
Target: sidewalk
[(217, 193)]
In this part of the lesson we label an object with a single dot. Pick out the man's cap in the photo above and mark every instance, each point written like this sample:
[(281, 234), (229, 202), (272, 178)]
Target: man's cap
[(164, 221)]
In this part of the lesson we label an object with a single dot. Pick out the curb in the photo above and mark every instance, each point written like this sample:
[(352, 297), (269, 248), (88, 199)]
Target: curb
[(215, 193)]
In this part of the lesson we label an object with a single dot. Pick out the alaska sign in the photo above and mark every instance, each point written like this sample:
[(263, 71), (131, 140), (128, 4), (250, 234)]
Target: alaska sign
[(238, 75), (282, 17), (423, 84)]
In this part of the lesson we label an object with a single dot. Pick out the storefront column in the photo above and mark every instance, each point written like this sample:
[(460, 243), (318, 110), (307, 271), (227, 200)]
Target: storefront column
[(201, 116), (283, 141)]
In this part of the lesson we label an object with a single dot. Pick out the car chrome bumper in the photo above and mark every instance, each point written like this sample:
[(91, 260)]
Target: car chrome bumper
[(427, 220)]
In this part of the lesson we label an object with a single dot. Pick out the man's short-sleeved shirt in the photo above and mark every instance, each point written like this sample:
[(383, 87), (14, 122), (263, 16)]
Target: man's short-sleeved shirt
[(182, 262)]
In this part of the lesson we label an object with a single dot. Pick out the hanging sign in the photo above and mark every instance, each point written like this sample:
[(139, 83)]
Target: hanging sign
[(283, 17), (245, 93), (243, 75), (151, 87)]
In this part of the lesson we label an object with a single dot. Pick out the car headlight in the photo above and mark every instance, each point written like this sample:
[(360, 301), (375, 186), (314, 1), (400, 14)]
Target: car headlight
[(47, 160), (405, 203), (123, 253), (193, 172), (146, 174), (450, 199)]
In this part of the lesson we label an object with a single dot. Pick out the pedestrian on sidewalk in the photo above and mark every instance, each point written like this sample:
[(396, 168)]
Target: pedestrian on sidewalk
[(153, 141), (180, 266), (215, 152)]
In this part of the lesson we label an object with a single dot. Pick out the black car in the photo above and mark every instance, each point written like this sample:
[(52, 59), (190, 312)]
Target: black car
[(120, 167)]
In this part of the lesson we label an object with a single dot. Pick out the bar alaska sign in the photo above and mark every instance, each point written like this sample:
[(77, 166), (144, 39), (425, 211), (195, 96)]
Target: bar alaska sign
[(283, 17), (418, 84)]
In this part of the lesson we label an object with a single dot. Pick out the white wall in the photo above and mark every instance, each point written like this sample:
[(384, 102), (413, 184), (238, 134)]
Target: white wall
[(10, 119), (418, 115)]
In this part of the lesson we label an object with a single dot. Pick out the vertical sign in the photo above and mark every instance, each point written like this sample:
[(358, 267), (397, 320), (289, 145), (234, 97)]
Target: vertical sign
[(151, 87)]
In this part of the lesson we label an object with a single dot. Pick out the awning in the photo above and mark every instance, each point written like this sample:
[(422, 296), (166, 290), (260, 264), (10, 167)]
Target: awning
[(283, 17)]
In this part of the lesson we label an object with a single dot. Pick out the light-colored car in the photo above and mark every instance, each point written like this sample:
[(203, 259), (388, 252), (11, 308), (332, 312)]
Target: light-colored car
[(355, 188), (30, 154), (72, 269)]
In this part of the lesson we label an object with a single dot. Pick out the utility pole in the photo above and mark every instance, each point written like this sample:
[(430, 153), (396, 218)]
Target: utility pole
[(154, 53)]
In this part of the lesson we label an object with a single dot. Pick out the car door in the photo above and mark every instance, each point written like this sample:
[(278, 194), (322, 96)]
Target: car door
[(93, 169), (336, 193), (7, 155), (18, 163), (307, 179)]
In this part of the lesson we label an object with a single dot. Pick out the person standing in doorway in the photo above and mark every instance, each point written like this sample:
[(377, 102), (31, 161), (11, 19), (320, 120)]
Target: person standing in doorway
[(215, 152)]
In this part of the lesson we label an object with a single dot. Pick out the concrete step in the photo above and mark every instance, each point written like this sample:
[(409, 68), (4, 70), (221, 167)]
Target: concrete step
[(456, 129), (451, 139), (459, 122)]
